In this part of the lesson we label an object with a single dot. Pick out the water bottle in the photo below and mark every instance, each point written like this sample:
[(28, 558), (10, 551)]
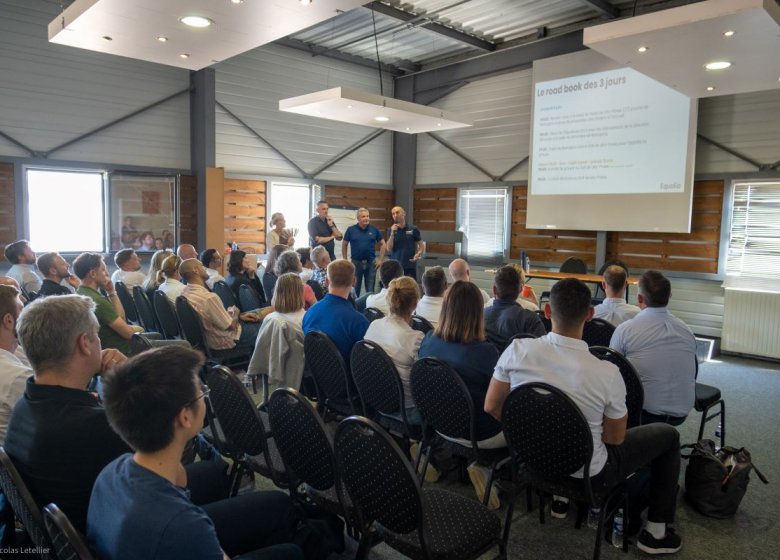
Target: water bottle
[(719, 430), (593, 517), (617, 529)]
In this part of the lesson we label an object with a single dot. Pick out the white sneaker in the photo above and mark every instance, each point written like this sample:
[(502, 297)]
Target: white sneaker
[(479, 476)]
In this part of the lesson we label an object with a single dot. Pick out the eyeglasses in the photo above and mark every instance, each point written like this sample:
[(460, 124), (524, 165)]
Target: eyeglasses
[(205, 391)]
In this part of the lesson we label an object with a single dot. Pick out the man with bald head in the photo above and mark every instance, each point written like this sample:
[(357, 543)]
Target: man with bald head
[(404, 242), (460, 270), (186, 251)]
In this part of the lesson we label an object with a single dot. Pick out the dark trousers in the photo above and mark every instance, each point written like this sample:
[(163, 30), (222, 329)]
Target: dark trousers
[(365, 273), (258, 525), (656, 445), (649, 418)]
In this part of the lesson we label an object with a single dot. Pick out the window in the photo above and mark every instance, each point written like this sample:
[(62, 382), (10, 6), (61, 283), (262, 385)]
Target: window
[(295, 202), (142, 212), (65, 210), (753, 258), (482, 217)]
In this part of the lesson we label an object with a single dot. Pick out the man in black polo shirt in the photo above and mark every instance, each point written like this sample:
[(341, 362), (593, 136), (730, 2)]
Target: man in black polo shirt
[(506, 318), (322, 230), (404, 242), (54, 270)]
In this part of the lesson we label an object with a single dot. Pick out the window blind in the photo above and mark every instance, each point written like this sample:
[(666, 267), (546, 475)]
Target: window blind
[(483, 218)]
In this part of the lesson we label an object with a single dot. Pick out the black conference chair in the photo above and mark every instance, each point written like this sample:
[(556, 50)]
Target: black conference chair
[(551, 440), (68, 543), (145, 310), (635, 393), (360, 303), (336, 393), (598, 332), (572, 265), (419, 522), (248, 299), (601, 271), (420, 323), (225, 294), (23, 505), (372, 314), (708, 397), (316, 287), (141, 342), (545, 321), (166, 315), (126, 298)]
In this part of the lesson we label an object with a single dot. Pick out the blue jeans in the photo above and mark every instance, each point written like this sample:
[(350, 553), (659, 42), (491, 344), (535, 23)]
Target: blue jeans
[(249, 332), (365, 271)]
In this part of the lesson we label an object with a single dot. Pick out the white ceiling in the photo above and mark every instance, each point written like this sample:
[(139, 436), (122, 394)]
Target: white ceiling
[(680, 41), (134, 25)]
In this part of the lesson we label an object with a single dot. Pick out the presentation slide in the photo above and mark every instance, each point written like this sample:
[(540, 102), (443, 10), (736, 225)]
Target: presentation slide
[(608, 132)]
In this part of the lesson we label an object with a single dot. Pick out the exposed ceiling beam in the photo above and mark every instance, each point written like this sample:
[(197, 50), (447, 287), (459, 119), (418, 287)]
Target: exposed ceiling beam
[(401, 15), (398, 69), (603, 7)]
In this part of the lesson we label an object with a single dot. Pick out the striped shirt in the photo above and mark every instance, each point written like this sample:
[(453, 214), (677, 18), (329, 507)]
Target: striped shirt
[(215, 319)]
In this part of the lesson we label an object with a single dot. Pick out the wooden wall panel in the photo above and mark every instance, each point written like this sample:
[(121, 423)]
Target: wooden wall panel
[(379, 202), (547, 246), (245, 214), (680, 252), (7, 206), (188, 209), (436, 209)]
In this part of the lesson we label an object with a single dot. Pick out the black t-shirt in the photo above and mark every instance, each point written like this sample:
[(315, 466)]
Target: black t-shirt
[(51, 288), (319, 228)]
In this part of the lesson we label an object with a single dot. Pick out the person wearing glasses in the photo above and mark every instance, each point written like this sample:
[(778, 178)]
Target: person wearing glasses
[(139, 506)]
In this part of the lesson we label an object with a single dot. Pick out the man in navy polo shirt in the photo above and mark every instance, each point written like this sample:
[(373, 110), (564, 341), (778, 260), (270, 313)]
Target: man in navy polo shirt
[(322, 230), (364, 237), (404, 242)]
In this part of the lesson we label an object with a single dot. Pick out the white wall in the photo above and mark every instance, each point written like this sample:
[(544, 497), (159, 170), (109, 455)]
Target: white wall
[(50, 94)]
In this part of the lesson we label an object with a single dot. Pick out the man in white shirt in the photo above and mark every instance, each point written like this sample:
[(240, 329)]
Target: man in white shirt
[(561, 358), (22, 259), (389, 271), (662, 349), (460, 270), (614, 308), (13, 373), (434, 283), (128, 269), (186, 251), (212, 260)]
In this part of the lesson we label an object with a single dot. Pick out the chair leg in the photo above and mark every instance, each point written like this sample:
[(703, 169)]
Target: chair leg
[(722, 423), (599, 533)]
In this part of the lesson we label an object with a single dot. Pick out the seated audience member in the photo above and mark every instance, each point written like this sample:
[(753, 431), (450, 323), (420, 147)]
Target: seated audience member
[(434, 283), (320, 259), (614, 308), (279, 234), (307, 266), (152, 281), (58, 436), (170, 279), (186, 251), (242, 269), (223, 329), (22, 259), (290, 262), (460, 270), (562, 359), (212, 260), (459, 340), (54, 270), (506, 318), (114, 331), (397, 338), (159, 245), (288, 301), (335, 315), (139, 507), (528, 301), (128, 269), (269, 276), (13, 372), (388, 271), (147, 242), (662, 349)]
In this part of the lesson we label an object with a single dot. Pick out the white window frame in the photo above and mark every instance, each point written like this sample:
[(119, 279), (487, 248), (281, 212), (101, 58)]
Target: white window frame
[(469, 252), (315, 192)]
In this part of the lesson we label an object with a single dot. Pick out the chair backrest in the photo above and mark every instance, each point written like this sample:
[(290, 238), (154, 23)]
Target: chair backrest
[(22, 503), (598, 332), (327, 367), (547, 430), (141, 342), (189, 324), (545, 321), (376, 378), (248, 299), (225, 294), (145, 311), (166, 315), (420, 323), (635, 393), (316, 287), (372, 313), (573, 265), (68, 542), (617, 262), (442, 398), (302, 440), (379, 479), (360, 303), (126, 298), (268, 282)]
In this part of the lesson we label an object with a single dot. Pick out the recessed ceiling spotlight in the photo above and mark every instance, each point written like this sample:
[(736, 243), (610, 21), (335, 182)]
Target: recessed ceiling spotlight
[(710, 88), (305, 2), (107, 38), (196, 21), (236, 1), (184, 55), (407, 128), (717, 65), (162, 39), (438, 124), (642, 49), (349, 106), (381, 119), (729, 33)]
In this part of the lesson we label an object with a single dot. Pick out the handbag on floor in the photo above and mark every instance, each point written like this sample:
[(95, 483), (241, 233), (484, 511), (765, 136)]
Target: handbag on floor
[(716, 479)]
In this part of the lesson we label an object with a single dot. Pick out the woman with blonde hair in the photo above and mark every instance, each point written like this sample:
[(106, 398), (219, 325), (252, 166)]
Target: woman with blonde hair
[(152, 282), (397, 338), (170, 279), (279, 234), (288, 299)]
